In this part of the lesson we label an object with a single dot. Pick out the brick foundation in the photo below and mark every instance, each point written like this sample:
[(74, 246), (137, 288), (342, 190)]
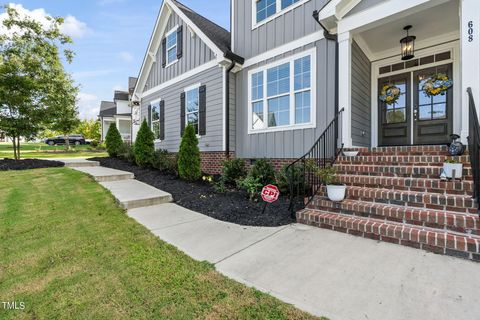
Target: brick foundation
[(212, 161)]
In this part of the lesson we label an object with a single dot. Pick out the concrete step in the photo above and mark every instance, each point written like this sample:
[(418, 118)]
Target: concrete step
[(466, 223), (131, 194), (78, 163), (437, 241), (102, 174)]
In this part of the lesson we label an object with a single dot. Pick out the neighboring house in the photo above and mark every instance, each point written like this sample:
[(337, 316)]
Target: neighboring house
[(118, 112)]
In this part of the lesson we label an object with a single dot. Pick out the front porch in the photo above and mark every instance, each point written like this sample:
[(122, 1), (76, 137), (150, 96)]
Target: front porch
[(370, 59)]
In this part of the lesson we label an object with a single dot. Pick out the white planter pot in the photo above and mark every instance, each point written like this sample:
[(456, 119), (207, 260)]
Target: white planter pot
[(350, 153), (449, 169), (336, 193)]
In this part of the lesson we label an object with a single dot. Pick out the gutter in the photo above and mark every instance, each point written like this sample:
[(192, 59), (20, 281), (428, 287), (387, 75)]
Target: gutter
[(234, 58)]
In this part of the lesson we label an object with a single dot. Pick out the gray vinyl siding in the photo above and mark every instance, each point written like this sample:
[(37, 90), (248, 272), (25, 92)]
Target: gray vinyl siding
[(195, 53), (291, 143), (288, 27), (213, 140), (363, 5), (361, 97)]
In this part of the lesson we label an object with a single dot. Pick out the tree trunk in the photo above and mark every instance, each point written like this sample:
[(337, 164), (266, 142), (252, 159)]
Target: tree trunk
[(67, 142), (14, 141), (18, 148)]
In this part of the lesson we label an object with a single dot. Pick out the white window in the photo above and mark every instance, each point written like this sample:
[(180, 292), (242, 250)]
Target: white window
[(155, 119), (281, 95), (192, 107), (172, 46), (266, 10)]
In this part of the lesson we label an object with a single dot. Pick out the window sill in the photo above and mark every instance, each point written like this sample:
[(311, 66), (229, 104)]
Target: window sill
[(171, 63), (283, 128), (276, 15)]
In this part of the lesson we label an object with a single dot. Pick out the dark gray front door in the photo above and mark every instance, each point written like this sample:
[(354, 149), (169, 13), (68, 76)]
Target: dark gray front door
[(395, 119), (432, 121)]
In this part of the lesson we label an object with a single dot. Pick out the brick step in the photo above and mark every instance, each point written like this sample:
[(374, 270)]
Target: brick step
[(444, 220), (393, 160), (456, 203), (437, 241), (460, 187), (397, 171), (405, 150)]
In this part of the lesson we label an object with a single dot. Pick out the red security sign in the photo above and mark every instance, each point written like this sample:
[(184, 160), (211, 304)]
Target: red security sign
[(270, 193)]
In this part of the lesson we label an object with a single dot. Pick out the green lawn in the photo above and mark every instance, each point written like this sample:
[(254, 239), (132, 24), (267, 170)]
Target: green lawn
[(44, 151), (68, 252)]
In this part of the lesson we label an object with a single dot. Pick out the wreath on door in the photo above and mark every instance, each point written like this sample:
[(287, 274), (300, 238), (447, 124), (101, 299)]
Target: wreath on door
[(437, 84), (390, 94)]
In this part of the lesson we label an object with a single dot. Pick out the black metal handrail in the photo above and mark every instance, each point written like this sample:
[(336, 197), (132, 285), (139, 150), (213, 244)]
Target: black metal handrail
[(304, 181), (474, 145)]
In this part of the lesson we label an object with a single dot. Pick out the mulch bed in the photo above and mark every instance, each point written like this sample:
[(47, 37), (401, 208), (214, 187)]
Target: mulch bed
[(10, 164), (232, 206)]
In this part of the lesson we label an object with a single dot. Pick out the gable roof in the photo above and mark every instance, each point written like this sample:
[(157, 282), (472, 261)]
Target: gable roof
[(120, 95), (107, 109), (132, 81)]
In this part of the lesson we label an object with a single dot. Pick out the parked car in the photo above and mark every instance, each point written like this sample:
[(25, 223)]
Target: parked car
[(74, 139)]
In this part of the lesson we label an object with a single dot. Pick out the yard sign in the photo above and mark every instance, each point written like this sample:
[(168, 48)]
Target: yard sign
[(270, 193)]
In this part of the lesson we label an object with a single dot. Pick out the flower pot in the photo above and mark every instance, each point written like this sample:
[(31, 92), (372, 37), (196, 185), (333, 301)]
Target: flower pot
[(350, 153), (450, 168), (336, 192)]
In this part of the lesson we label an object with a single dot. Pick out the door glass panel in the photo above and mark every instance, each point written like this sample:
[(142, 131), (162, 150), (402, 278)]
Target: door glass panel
[(423, 98), (397, 112), (430, 108), (425, 112), (440, 99), (396, 116), (439, 111)]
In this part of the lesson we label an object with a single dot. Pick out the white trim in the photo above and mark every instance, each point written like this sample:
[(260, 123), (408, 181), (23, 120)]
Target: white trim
[(168, 34), (312, 53), (192, 87), (316, 36), (453, 47), (232, 24), (345, 85), (345, 7), (186, 90), (279, 12), (183, 76), (225, 103), (156, 101)]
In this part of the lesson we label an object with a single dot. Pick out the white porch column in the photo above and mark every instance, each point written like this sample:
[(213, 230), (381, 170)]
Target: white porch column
[(345, 85), (470, 57)]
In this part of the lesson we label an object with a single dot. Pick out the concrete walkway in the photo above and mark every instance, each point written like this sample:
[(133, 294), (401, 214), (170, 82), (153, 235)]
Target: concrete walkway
[(323, 272)]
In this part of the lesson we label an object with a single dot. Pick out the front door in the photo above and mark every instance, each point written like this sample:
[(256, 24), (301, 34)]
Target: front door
[(432, 121), (394, 119)]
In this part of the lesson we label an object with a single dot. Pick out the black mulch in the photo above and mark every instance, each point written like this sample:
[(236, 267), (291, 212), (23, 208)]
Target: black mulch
[(10, 164), (232, 206)]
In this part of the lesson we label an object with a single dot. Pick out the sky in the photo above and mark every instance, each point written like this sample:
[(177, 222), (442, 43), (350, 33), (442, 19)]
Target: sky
[(110, 39)]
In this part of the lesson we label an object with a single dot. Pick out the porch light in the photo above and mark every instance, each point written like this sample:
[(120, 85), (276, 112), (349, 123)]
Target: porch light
[(408, 45)]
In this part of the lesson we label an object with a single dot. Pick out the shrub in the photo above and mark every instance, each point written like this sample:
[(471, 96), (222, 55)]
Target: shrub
[(122, 151), (113, 140), (127, 152), (250, 184), (144, 146), (189, 164), (329, 176), (283, 178), (164, 161), (263, 171), (94, 143), (233, 170)]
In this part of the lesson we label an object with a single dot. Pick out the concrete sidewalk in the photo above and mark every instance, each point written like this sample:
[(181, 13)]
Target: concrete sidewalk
[(323, 272)]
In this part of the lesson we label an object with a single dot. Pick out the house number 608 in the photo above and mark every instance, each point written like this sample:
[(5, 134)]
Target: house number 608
[(470, 31)]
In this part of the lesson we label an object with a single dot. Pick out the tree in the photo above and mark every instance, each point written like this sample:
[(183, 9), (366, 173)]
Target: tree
[(113, 141), (144, 146), (29, 60), (90, 129), (189, 163)]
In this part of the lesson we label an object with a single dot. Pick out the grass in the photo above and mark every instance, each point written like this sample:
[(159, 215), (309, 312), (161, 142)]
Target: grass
[(68, 252), (44, 151)]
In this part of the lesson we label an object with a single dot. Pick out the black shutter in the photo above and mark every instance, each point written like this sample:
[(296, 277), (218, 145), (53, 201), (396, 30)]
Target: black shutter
[(179, 42), (202, 92), (164, 52), (162, 120), (182, 113), (149, 116)]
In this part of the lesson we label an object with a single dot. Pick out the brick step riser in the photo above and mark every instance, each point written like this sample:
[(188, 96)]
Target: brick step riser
[(428, 201), (467, 190), (404, 160), (429, 150), (462, 223), (436, 242), (397, 171)]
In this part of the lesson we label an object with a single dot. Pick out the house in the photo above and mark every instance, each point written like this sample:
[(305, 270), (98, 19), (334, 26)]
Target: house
[(300, 79)]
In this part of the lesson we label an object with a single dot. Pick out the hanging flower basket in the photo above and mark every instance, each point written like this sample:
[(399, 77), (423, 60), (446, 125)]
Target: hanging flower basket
[(437, 84), (390, 94)]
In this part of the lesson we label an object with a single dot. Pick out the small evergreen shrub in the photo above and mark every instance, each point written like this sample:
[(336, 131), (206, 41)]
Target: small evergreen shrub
[(94, 143), (144, 146), (165, 161), (283, 177), (113, 141), (233, 170), (122, 151), (263, 171), (189, 163)]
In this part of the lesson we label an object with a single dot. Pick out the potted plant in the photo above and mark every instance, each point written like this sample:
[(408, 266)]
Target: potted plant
[(350, 153), (335, 190), (453, 169)]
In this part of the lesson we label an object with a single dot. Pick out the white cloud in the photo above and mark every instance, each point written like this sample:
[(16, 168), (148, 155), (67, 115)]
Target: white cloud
[(126, 56), (71, 27), (92, 73), (88, 105)]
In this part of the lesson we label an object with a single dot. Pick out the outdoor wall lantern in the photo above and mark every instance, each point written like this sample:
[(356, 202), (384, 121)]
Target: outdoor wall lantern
[(408, 45)]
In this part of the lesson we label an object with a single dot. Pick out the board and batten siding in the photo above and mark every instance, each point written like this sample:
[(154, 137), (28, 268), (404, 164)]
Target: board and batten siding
[(287, 27), (361, 97), (289, 143), (195, 53), (213, 140)]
